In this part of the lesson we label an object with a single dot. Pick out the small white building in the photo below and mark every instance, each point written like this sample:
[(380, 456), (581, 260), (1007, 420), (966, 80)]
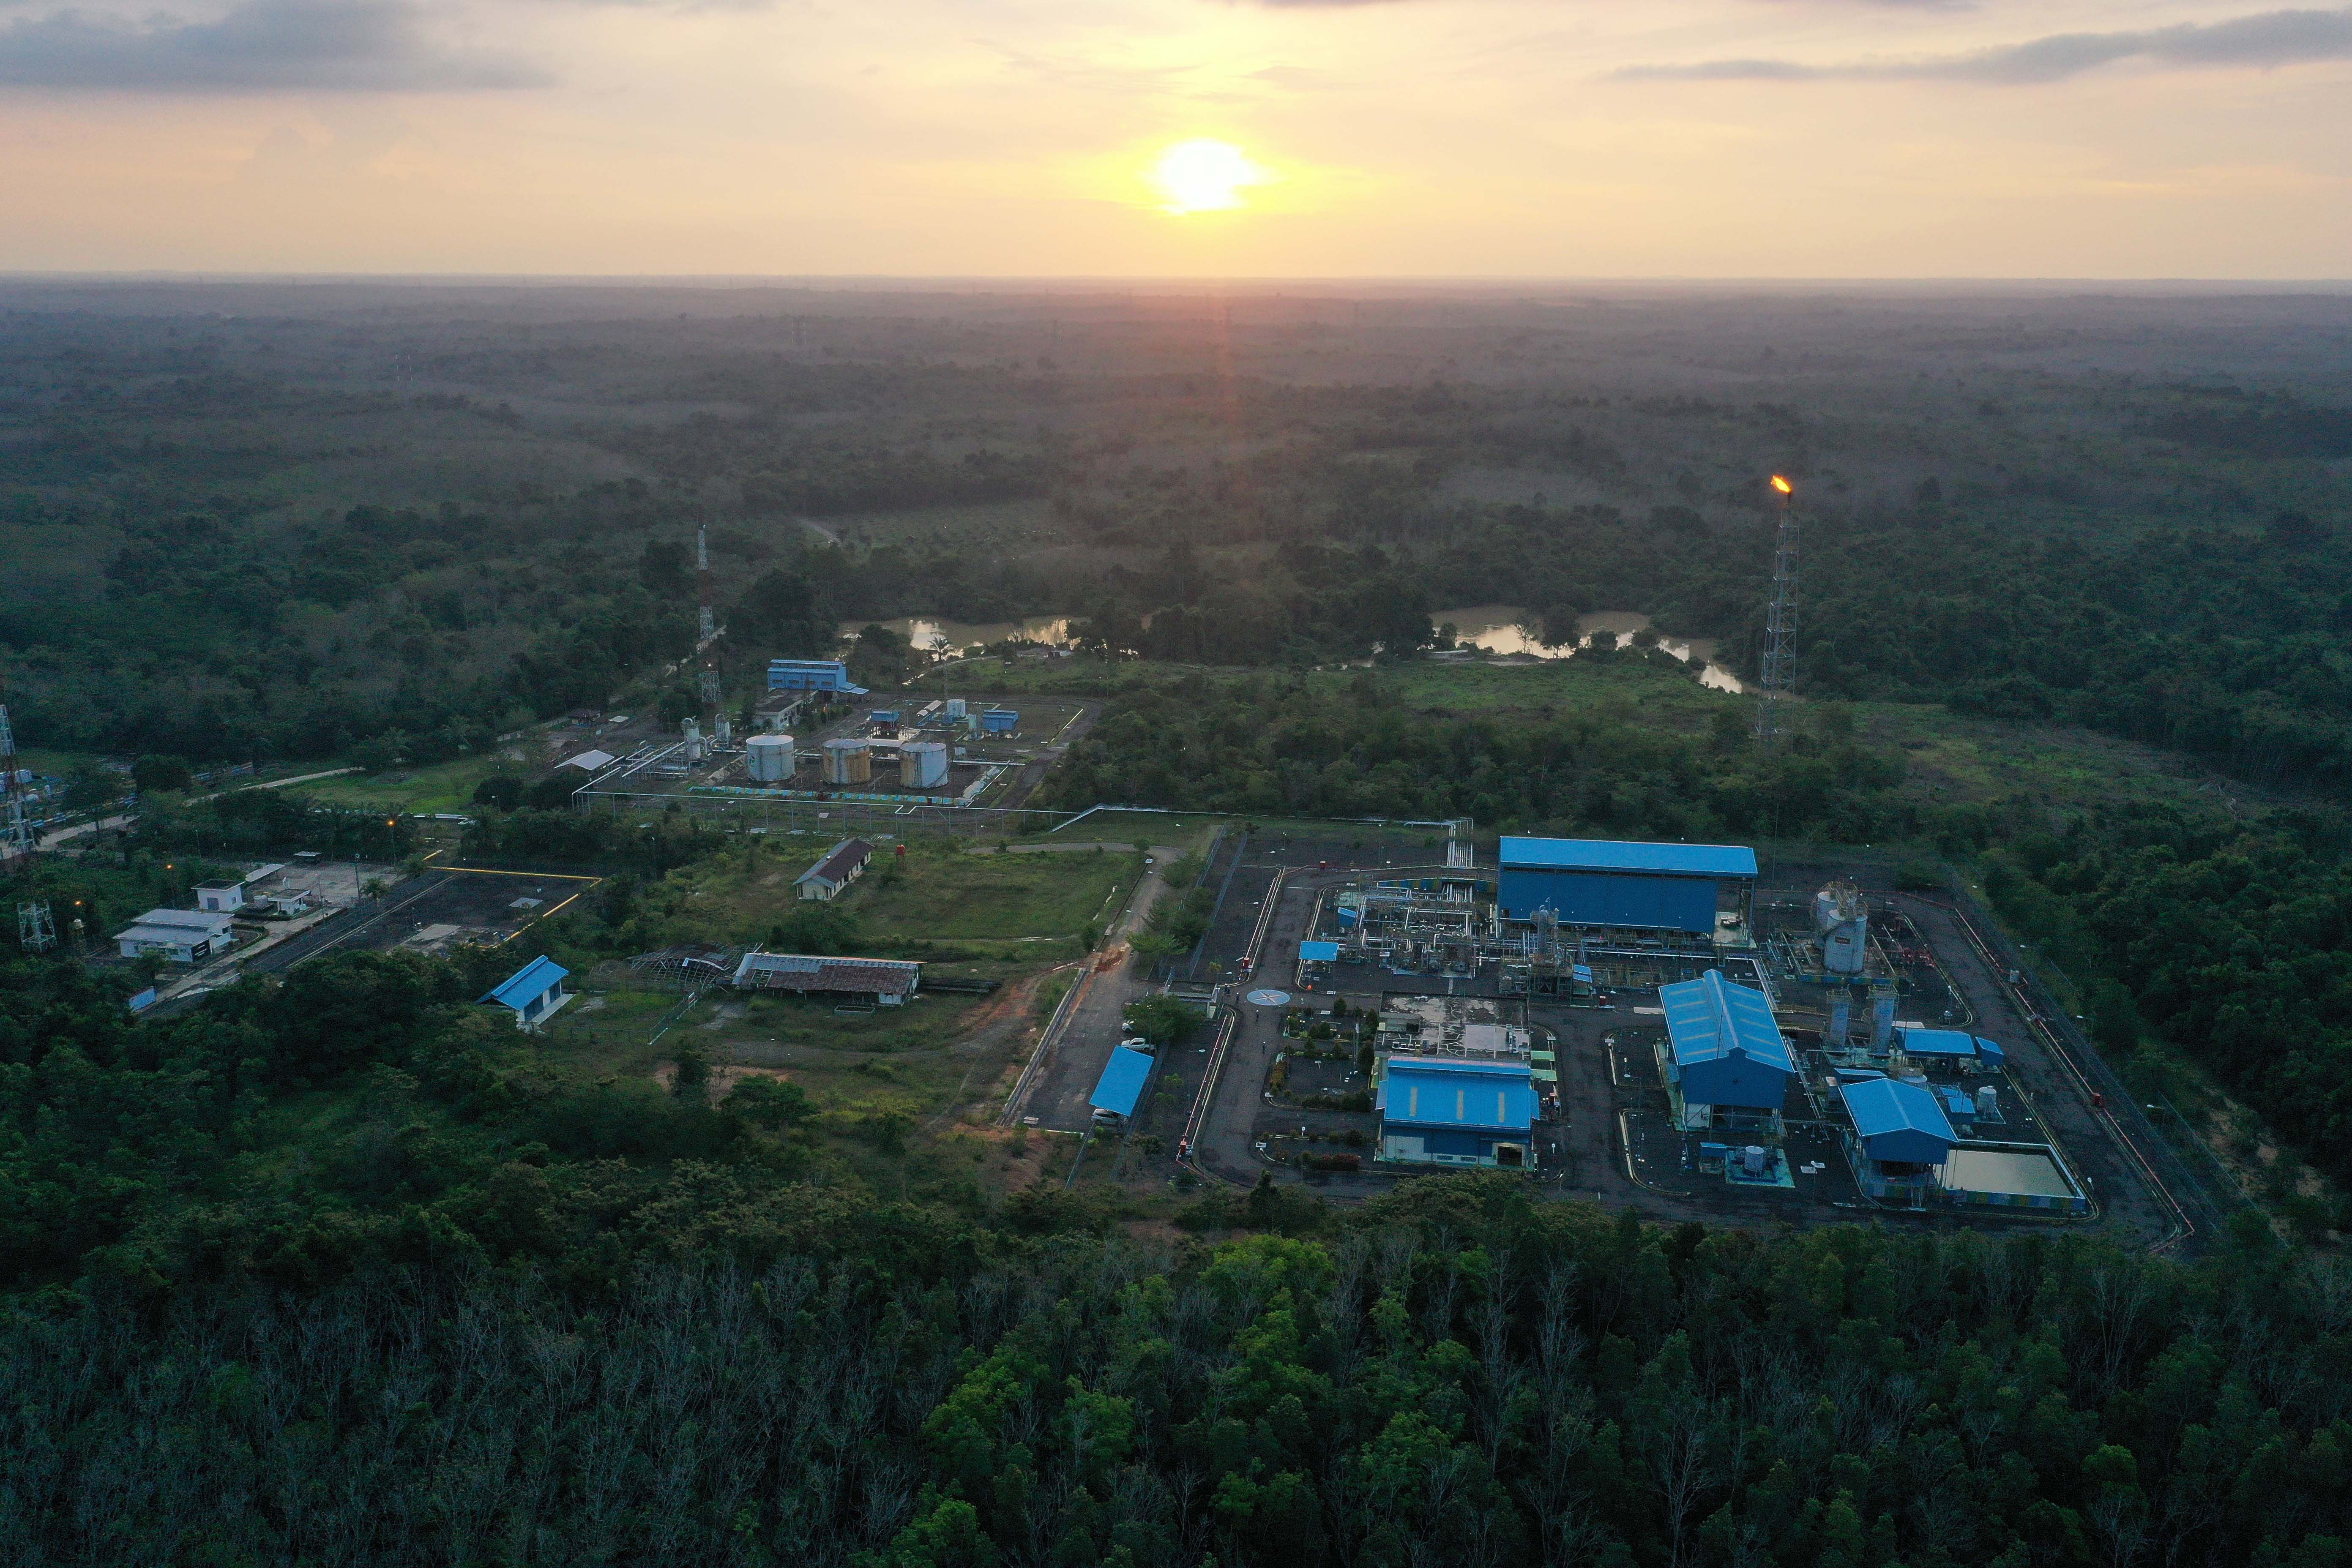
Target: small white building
[(532, 993), (182, 936), (225, 896), (843, 864)]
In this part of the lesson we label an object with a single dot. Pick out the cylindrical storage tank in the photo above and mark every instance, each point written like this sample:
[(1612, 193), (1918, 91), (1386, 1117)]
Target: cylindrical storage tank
[(1751, 1159), (1988, 1103), (922, 765), (770, 758), (955, 708), (849, 762)]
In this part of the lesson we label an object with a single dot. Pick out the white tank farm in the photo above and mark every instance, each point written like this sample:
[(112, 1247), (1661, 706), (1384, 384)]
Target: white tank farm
[(770, 758)]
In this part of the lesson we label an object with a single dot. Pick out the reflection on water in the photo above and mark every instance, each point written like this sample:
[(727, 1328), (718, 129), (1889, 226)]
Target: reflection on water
[(934, 635), (1510, 630)]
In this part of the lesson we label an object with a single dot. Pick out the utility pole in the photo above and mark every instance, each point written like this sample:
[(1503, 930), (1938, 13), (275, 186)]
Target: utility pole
[(1779, 661)]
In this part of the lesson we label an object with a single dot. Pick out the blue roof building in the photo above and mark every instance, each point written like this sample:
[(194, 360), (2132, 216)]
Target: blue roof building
[(1602, 882), (1122, 1081), (1725, 1045), (1449, 1111), (532, 993), (1898, 1122), (1952, 1045), (811, 676)]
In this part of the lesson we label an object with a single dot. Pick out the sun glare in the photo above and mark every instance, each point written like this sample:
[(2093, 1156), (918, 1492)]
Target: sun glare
[(1204, 176)]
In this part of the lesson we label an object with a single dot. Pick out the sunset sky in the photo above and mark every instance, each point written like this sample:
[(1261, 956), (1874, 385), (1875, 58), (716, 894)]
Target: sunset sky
[(1033, 138)]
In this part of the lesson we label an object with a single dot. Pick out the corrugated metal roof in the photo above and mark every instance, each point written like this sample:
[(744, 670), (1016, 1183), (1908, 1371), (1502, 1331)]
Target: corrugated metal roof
[(1443, 1092), (528, 984), (1610, 854), (1881, 1105), (1121, 1083), (1938, 1042), (1709, 1018), (839, 861), (210, 922), (804, 972)]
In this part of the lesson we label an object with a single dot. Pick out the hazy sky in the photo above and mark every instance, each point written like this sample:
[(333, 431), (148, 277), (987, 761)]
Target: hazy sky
[(1529, 138)]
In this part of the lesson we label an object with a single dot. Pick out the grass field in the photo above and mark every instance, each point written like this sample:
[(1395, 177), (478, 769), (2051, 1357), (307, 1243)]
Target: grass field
[(442, 787)]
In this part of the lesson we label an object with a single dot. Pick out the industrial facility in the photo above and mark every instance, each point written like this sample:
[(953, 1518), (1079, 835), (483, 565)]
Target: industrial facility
[(181, 935)]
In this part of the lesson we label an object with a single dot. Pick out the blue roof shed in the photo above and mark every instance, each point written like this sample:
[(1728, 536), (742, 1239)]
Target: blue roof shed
[(1602, 882), (1726, 1044), (1898, 1121), (1318, 952), (532, 992), (1121, 1084), (1952, 1044), (1449, 1092)]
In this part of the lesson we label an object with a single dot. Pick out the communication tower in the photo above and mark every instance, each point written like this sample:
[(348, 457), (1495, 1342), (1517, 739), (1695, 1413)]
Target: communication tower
[(15, 830), (706, 619), (36, 930), (1779, 661)]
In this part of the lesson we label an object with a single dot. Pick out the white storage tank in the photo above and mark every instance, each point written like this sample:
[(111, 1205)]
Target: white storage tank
[(1988, 1103), (849, 762), (1751, 1159), (1841, 917), (770, 758), (955, 708), (922, 765)]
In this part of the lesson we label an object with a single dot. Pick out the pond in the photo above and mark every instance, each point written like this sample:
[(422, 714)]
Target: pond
[(934, 635), (1512, 630)]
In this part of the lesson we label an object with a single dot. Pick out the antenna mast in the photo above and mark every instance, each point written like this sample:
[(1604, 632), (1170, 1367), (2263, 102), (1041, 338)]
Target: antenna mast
[(15, 831), (1780, 663), (707, 628)]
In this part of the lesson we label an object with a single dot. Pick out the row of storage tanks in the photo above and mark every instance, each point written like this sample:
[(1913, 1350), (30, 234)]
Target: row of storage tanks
[(922, 764)]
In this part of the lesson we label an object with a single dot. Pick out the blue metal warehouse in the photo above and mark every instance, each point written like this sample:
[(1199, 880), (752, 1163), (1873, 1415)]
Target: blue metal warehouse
[(1600, 881), (810, 675), (1121, 1084), (1899, 1123), (1727, 1049), (1450, 1111)]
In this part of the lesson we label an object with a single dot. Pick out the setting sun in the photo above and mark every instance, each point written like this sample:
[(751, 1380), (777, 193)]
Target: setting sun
[(1204, 176)]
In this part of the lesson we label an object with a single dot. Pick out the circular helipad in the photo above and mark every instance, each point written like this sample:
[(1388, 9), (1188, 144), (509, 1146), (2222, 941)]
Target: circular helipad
[(1269, 999)]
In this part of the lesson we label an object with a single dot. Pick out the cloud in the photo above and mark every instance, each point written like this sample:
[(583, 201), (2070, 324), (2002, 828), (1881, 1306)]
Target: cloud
[(2269, 38), (262, 45)]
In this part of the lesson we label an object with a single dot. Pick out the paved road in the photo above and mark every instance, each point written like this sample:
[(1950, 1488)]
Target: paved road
[(1071, 1057)]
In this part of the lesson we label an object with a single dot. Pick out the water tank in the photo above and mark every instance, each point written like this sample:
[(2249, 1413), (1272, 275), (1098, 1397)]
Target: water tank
[(770, 758), (922, 765), (1988, 1103), (1840, 1018), (1841, 918), (693, 741), (1751, 1159), (955, 708), (723, 732), (849, 762), (1881, 1021)]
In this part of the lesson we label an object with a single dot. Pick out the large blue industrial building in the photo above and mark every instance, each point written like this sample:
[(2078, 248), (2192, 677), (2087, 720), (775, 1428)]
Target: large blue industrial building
[(1454, 1110), (1599, 881), (810, 675), (1725, 1046)]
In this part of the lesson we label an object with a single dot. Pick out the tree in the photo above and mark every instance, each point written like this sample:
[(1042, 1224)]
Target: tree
[(662, 566), (154, 772), (502, 791), (2115, 1020), (778, 614)]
